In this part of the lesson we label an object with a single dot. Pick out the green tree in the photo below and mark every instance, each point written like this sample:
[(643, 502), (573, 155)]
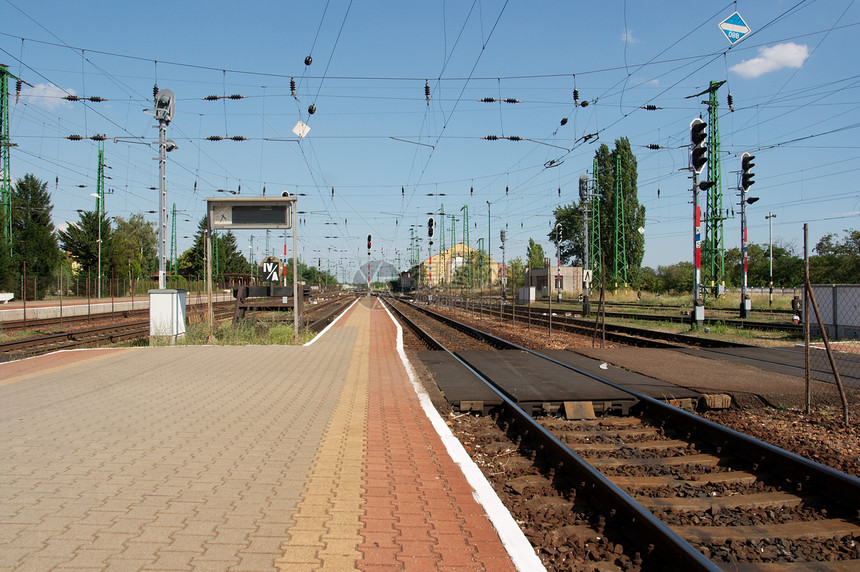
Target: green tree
[(676, 278), (535, 255), (571, 216), (135, 247), (224, 250), (836, 262), (81, 242), (33, 239), (516, 274)]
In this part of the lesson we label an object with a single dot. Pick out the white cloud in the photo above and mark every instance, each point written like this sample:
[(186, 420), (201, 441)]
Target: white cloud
[(641, 81), (627, 36), (47, 95), (788, 55)]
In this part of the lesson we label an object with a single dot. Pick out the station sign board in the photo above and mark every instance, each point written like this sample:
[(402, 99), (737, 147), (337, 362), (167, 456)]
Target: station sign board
[(250, 213)]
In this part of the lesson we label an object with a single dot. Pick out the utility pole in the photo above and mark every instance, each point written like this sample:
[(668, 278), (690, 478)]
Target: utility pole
[(452, 266), (504, 275), (558, 259), (5, 145), (165, 103), (467, 246), (713, 250), (770, 217), (586, 251), (746, 181), (620, 227), (489, 250), (596, 246), (173, 240)]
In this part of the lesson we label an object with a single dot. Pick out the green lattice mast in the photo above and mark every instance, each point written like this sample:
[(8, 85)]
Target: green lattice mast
[(714, 246), (595, 245), (620, 227), (5, 144)]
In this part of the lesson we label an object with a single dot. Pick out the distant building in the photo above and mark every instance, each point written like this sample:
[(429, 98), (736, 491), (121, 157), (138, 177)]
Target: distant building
[(459, 265), (570, 280)]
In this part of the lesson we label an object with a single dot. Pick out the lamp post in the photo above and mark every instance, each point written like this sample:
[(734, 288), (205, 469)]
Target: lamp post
[(770, 217), (99, 241), (746, 304)]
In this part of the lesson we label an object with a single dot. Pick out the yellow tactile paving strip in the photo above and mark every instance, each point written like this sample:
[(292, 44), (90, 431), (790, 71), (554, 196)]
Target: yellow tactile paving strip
[(332, 500)]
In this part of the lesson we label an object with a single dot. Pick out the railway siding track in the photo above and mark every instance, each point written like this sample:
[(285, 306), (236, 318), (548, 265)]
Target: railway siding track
[(318, 316), (688, 492)]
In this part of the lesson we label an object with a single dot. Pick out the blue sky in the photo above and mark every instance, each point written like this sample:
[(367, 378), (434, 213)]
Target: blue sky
[(392, 157)]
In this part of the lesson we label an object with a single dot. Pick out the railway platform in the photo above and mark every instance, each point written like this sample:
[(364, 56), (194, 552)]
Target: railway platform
[(327, 456)]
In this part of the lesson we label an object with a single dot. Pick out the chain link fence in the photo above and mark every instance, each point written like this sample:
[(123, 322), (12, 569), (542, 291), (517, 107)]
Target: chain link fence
[(831, 314)]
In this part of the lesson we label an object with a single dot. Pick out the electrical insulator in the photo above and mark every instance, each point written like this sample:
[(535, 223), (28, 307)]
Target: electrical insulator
[(491, 137), (96, 99), (238, 138), (72, 98), (312, 109), (514, 138), (214, 138), (99, 137), (210, 98), (506, 190), (293, 86), (308, 60), (155, 92), (487, 100), (650, 107), (17, 90), (402, 191), (575, 96), (235, 96), (239, 190), (731, 102), (74, 138), (564, 120), (584, 104), (559, 191), (195, 186), (511, 100), (653, 146), (427, 90), (332, 192), (471, 191)]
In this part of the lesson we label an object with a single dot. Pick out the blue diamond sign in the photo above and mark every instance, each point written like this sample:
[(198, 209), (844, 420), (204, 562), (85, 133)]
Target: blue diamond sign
[(734, 27)]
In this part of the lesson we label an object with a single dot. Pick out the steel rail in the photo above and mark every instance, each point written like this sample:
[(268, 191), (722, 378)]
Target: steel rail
[(838, 486), (655, 538)]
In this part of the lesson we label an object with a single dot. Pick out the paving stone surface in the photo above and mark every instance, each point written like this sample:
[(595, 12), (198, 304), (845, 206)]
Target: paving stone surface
[(233, 458)]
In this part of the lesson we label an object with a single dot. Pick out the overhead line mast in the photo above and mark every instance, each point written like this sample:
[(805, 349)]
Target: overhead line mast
[(714, 214)]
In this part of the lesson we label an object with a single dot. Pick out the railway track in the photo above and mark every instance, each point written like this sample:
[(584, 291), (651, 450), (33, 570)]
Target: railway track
[(627, 335), (316, 318), (664, 489), (567, 315)]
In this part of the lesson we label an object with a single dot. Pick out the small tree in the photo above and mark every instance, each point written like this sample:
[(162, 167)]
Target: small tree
[(535, 255)]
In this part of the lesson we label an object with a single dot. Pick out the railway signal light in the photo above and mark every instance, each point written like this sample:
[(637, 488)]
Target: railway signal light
[(430, 223), (699, 153), (558, 233), (583, 187), (368, 242), (746, 171)]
